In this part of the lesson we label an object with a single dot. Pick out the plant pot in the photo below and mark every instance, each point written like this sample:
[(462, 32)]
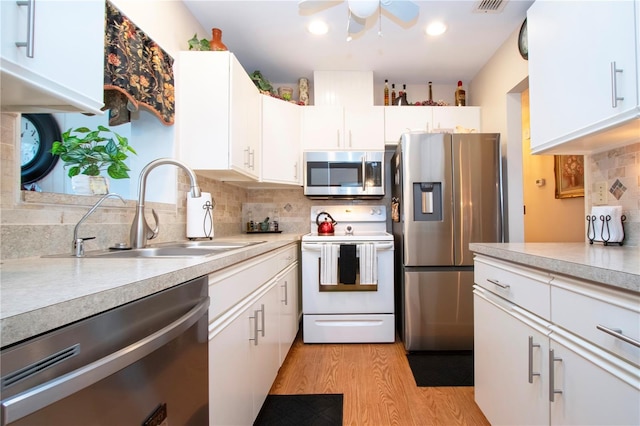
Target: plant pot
[(89, 185)]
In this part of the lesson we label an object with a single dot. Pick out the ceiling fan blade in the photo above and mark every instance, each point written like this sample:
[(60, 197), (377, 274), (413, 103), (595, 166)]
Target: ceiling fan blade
[(316, 5), (356, 24), (403, 10), (363, 8)]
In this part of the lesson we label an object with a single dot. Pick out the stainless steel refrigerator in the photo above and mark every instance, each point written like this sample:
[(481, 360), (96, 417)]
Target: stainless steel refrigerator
[(446, 193)]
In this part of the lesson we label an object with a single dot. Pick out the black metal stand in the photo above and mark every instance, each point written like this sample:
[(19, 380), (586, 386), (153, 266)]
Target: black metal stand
[(605, 232)]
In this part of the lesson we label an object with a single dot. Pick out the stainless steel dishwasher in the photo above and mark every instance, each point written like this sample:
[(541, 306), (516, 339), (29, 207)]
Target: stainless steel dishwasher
[(143, 363)]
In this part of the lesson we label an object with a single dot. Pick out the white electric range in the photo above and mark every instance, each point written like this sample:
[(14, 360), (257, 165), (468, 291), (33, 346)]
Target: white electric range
[(347, 278)]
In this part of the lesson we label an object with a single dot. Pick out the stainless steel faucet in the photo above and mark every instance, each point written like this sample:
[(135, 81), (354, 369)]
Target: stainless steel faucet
[(78, 242), (140, 229)]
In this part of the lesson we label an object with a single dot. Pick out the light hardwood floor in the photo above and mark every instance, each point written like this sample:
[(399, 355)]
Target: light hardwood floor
[(378, 387)]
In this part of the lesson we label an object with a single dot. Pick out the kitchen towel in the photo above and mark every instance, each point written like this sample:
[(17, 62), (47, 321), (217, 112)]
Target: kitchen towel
[(200, 216), (368, 264), (329, 264), (602, 230), (348, 264)]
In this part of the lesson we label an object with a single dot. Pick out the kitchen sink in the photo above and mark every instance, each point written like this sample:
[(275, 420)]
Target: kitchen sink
[(184, 249)]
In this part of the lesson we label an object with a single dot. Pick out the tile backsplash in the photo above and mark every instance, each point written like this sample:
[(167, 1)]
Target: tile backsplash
[(619, 169)]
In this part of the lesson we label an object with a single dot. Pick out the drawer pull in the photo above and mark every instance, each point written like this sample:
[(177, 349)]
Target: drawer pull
[(531, 346), (552, 382), (617, 333), (499, 284)]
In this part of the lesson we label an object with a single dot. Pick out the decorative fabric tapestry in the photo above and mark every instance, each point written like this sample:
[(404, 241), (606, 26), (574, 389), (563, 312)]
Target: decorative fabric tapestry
[(136, 67)]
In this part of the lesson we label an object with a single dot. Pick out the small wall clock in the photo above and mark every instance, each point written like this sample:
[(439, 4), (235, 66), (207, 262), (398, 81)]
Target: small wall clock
[(37, 134), (523, 45)]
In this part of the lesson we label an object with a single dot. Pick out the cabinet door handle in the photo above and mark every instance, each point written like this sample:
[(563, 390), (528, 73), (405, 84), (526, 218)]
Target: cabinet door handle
[(247, 157), (31, 25), (617, 333), (286, 293), (531, 346), (614, 85), (252, 159), (552, 385), (499, 284), (338, 138), (261, 330), (255, 328), (350, 144), (295, 170)]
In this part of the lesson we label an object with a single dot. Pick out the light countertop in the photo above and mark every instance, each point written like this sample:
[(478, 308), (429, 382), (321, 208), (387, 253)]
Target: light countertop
[(41, 294), (617, 266)]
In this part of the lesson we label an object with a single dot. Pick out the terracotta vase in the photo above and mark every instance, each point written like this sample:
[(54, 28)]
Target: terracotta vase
[(216, 41)]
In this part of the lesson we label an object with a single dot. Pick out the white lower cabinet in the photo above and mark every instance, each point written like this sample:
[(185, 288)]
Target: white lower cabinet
[(544, 365), (265, 345), (591, 387), (246, 340), (509, 356), (289, 308)]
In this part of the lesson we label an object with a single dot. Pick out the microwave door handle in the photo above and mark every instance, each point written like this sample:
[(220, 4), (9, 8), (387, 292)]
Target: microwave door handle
[(364, 175)]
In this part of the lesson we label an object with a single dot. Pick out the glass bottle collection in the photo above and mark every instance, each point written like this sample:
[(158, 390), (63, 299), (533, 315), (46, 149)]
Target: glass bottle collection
[(390, 97)]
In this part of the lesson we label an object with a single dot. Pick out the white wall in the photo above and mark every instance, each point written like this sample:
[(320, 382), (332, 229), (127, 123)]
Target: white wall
[(496, 88)]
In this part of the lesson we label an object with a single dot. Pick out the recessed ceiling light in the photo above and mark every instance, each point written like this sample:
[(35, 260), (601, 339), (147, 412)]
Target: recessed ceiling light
[(318, 28), (436, 28)]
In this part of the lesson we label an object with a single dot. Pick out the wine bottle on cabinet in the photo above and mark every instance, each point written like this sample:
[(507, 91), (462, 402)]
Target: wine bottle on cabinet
[(430, 94), (393, 94), (386, 93), (460, 95)]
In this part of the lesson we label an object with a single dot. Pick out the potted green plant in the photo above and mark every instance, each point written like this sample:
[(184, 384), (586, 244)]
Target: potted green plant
[(89, 152)]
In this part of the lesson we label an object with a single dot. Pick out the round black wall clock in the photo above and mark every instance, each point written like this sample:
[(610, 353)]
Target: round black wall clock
[(37, 134), (523, 45)]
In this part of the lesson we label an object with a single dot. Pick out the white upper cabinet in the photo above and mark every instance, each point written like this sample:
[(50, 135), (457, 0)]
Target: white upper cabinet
[(217, 116), (583, 75), (281, 162), (60, 68), (357, 128), (398, 120), (456, 119)]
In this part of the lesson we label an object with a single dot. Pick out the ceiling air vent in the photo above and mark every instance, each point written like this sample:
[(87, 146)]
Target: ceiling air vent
[(489, 6)]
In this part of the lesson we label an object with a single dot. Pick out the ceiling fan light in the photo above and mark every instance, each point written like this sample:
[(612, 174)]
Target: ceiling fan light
[(436, 28), (318, 28), (363, 8)]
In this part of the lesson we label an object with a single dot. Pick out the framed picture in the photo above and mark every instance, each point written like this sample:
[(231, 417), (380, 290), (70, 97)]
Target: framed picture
[(569, 172)]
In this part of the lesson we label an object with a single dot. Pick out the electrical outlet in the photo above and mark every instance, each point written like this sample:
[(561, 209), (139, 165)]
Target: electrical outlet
[(599, 194)]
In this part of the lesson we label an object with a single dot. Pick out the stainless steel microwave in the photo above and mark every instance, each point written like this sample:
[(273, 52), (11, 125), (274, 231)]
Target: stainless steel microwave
[(344, 174)]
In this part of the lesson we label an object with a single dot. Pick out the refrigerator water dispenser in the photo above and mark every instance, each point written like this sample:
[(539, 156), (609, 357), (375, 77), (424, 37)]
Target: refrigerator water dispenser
[(427, 201)]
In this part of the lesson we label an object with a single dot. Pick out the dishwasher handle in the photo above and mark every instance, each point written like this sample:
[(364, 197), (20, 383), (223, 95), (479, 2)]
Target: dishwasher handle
[(32, 400)]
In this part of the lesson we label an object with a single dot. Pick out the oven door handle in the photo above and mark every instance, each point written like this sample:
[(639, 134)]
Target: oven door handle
[(34, 399)]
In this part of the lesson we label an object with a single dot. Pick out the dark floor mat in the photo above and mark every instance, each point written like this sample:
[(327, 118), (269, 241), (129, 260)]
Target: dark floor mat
[(442, 368), (301, 410)]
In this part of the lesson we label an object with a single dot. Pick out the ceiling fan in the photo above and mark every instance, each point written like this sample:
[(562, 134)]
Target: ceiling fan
[(360, 10)]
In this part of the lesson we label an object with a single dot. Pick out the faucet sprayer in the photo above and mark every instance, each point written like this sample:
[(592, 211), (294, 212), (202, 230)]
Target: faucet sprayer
[(140, 229), (78, 243)]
